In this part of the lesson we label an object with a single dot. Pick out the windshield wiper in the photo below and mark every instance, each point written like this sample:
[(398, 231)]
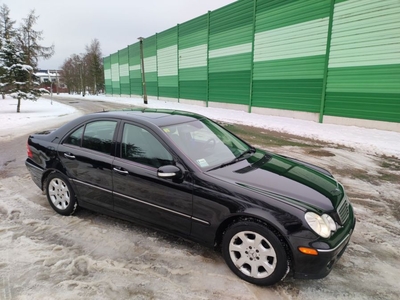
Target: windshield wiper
[(251, 150)]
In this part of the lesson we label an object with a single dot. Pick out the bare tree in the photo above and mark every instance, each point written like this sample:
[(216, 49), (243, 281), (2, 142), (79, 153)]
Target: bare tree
[(84, 72), (94, 66), (75, 73)]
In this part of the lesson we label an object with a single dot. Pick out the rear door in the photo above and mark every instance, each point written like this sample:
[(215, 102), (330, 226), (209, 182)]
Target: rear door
[(139, 193), (87, 154)]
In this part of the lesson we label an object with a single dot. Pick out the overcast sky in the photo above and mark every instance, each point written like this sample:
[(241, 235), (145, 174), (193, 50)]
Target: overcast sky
[(72, 24)]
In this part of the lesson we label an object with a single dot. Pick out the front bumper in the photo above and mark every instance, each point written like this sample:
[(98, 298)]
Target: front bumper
[(316, 267)]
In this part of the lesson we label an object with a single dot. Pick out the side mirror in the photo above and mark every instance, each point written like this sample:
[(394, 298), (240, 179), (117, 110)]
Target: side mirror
[(169, 172)]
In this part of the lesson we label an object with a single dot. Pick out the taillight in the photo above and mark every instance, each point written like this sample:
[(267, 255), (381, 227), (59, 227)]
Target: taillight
[(28, 149)]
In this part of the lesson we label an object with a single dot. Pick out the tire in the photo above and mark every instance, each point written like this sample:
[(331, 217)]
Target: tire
[(60, 194), (254, 253)]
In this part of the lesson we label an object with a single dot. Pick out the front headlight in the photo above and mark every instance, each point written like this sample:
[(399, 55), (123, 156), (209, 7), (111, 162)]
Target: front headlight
[(322, 225)]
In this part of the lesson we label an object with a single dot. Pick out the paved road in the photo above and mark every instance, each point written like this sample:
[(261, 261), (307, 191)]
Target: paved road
[(13, 152), (91, 256)]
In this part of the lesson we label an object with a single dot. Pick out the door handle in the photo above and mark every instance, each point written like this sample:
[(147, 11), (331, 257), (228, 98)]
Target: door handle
[(122, 172), (69, 155)]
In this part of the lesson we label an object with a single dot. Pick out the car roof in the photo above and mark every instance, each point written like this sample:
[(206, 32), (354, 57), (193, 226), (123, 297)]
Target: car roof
[(158, 117)]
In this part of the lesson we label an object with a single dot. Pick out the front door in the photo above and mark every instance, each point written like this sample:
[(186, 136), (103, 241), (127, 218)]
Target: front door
[(139, 193)]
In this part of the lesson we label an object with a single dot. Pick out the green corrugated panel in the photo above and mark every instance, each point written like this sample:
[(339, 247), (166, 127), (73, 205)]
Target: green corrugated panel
[(193, 83), (231, 25), (289, 54), (168, 86), (134, 54), (135, 74), (230, 53), (116, 89), (229, 87), (167, 63), (272, 14), (367, 92), (231, 18), (107, 75), (194, 32), (291, 84), (193, 39), (231, 63), (364, 65), (123, 57), (150, 64), (167, 38), (150, 46)]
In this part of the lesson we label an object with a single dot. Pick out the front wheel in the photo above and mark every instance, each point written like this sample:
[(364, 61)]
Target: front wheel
[(254, 253), (60, 194)]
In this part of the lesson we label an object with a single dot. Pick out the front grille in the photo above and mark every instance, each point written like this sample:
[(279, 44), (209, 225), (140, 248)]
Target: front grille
[(343, 210)]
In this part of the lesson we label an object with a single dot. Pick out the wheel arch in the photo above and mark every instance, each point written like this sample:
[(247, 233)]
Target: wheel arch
[(51, 171), (257, 219)]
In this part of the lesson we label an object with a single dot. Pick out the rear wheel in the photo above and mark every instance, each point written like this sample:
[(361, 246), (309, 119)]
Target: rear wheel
[(60, 194), (254, 253)]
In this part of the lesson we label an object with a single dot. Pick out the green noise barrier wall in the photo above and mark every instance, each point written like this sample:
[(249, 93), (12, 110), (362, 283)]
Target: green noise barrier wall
[(338, 58)]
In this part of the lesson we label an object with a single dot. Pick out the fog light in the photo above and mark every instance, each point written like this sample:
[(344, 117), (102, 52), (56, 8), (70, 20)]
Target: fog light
[(308, 251)]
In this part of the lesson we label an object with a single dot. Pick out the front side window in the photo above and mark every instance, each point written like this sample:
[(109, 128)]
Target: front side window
[(99, 135), (140, 146)]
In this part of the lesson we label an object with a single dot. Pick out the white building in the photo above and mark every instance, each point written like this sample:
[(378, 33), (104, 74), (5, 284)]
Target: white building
[(48, 75)]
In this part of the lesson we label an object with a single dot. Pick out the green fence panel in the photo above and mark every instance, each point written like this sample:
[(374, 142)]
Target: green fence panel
[(167, 63), (150, 64), (364, 65), (107, 75), (289, 54), (193, 39), (277, 55), (230, 53), (135, 73), (272, 14), (116, 89), (123, 57)]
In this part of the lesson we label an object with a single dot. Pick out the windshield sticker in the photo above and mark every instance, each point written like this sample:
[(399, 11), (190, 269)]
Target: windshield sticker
[(166, 130), (202, 162)]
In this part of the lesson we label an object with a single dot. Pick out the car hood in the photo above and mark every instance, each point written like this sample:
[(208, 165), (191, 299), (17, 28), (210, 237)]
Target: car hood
[(283, 179)]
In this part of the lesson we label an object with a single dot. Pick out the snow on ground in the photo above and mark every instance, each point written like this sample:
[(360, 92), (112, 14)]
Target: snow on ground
[(92, 256), (365, 139), (33, 113)]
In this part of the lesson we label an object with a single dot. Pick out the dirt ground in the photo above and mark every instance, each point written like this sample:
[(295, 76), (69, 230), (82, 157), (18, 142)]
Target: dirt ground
[(91, 256)]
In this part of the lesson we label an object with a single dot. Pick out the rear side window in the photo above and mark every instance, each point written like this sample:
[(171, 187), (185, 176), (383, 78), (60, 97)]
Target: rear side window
[(99, 135)]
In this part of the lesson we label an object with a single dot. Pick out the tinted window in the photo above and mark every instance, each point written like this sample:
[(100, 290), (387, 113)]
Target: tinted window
[(99, 136), (75, 138), (141, 146)]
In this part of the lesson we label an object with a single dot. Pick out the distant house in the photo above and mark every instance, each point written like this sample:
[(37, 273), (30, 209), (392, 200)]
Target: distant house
[(45, 76), (51, 80)]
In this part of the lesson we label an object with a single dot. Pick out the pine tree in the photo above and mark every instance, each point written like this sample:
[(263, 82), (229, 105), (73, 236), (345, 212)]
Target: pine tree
[(16, 76), (6, 30), (28, 41)]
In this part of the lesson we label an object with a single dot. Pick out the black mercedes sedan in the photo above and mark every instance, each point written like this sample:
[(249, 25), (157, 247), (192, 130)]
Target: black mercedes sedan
[(182, 173)]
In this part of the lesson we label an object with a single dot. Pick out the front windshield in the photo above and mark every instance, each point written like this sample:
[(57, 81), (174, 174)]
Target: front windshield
[(206, 143)]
